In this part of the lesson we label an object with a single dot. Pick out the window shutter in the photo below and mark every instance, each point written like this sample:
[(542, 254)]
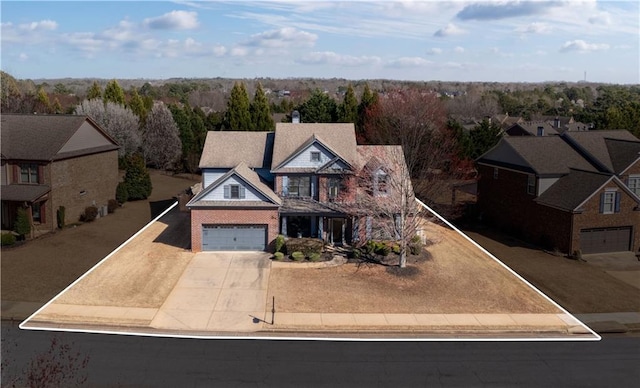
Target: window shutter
[(617, 202), (242, 194), (601, 202), (226, 191), (285, 185), (16, 173), (40, 174)]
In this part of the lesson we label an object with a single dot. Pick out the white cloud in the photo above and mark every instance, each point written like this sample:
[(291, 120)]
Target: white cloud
[(174, 20), (458, 49), (283, 37), (603, 18), (581, 46), (219, 50), (239, 52), (23, 57), (331, 58), (505, 9), (434, 51), (409, 62), (42, 25), (534, 28), (449, 30)]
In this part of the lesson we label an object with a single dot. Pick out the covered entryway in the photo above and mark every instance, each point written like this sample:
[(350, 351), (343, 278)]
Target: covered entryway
[(600, 240), (234, 237)]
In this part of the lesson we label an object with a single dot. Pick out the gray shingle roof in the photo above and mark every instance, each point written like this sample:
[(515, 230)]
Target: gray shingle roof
[(543, 155), (227, 149), (572, 189), (595, 145), (28, 193), (623, 153), (39, 137), (340, 138), (532, 127)]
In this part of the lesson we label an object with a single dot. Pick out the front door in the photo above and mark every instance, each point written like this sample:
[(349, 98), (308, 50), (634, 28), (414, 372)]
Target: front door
[(337, 226)]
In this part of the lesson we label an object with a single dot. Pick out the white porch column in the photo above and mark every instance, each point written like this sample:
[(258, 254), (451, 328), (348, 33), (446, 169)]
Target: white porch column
[(283, 225)]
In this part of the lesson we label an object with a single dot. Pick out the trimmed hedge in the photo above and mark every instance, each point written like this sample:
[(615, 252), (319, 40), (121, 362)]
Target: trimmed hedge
[(297, 256), (278, 256), (315, 257), (8, 239), (279, 243)]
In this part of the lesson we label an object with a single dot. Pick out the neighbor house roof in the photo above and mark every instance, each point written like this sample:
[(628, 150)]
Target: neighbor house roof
[(227, 149), (610, 149), (246, 174), (289, 137), (572, 189), (28, 193), (531, 127), (41, 137), (543, 155)]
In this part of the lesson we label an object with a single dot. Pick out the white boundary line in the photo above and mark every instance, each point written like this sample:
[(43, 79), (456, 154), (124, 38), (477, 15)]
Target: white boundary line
[(328, 338), (598, 337), (98, 264)]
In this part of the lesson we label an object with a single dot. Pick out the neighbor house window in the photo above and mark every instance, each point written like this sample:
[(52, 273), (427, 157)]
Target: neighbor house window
[(634, 184), (299, 186), (234, 192), (495, 173), (531, 185), (36, 212), (610, 202), (334, 187), (315, 156), (29, 173)]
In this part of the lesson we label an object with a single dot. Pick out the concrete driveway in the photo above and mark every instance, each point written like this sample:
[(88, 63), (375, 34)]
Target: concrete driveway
[(222, 291)]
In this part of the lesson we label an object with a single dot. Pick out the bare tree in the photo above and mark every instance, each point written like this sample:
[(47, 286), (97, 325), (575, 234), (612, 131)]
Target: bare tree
[(162, 146), (416, 121), (119, 122)]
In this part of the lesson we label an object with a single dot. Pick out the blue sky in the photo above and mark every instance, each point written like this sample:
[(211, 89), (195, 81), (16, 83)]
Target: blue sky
[(502, 41)]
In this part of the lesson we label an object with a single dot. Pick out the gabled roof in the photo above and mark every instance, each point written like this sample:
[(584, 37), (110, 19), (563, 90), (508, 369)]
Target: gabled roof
[(326, 169), (247, 175), (340, 139), (41, 137), (602, 147), (314, 139), (542, 155), (573, 189), (226, 149)]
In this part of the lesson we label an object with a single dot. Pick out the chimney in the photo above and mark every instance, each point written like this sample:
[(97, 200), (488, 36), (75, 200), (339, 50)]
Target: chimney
[(540, 131), (295, 117)]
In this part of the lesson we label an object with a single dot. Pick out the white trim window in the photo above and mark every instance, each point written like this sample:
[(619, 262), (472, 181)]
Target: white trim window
[(315, 156), (531, 184), (380, 183), (610, 201), (634, 184), (234, 192), (495, 173)]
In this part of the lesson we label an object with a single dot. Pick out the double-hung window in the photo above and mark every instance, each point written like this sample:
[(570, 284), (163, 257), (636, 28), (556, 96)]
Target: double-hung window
[(380, 183), (634, 184), (531, 185), (299, 186), (334, 187), (234, 192), (29, 173), (315, 156), (610, 202)]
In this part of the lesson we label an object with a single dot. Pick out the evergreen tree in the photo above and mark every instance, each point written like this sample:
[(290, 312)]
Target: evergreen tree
[(319, 108), (137, 179), (348, 110), (183, 121), (137, 105), (483, 137), (260, 112), (367, 101), (238, 117), (22, 225), (114, 93), (95, 91), (198, 129)]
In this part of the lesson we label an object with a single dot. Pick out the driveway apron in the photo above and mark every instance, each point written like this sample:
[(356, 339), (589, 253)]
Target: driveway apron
[(221, 291)]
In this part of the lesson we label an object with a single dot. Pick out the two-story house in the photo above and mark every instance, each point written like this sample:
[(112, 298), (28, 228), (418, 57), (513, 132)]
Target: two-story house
[(575, 191), (297, 181), (53, 161)]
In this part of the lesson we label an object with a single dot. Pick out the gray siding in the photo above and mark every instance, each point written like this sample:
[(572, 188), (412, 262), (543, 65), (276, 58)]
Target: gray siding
[(545, 183), (251, 194), (87, 136), (303, 160), (210, 175)]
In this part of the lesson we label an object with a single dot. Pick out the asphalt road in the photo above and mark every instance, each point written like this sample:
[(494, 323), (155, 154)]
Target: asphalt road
[(146, 361)]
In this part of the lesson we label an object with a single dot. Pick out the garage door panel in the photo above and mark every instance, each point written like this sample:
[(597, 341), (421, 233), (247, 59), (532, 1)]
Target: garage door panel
[(233, 237), (605, 240)]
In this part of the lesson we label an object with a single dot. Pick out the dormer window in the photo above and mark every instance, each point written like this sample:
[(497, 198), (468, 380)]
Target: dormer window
[(315, 156), (380, 182)]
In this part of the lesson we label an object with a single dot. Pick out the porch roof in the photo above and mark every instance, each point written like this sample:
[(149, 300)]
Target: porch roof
[(304, 206), (21, 193)]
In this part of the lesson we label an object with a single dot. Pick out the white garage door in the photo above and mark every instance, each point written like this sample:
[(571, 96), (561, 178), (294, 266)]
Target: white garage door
[(234, 237), (603, 240)]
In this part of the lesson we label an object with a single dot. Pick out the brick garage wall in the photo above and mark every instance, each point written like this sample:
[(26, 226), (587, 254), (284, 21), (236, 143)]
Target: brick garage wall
[(504, 203), (227, 216), (96, 174), (592, 218)]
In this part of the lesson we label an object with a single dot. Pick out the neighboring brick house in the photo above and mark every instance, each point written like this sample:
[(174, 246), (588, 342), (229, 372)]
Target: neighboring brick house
[(575, 191), (295, 181), (50, 161)]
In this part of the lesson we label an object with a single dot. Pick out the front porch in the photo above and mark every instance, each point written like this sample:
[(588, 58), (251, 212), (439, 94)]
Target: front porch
[(309, 218)]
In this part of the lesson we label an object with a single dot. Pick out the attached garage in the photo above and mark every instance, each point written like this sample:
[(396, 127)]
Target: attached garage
[(234, 237), (601, 240)]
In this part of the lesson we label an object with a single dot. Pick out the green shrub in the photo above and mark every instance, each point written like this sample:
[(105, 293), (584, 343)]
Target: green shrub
[(356, 253), (416, 239), (305, 245), (279, 243), (122, 194), (315, 257), (369, 247), (278, 256), (297, 256), (395, 249), (381, 248), (22, 226), (90, 214), (112, 205), (415, 249), (137, 179), (7, 239), (60, 215)]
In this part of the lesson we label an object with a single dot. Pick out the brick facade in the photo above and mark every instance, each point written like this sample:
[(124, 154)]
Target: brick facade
[(227, 216), (83, 181)]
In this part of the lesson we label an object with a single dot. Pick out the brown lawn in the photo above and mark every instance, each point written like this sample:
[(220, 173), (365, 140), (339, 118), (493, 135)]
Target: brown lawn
[(458, 278)]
